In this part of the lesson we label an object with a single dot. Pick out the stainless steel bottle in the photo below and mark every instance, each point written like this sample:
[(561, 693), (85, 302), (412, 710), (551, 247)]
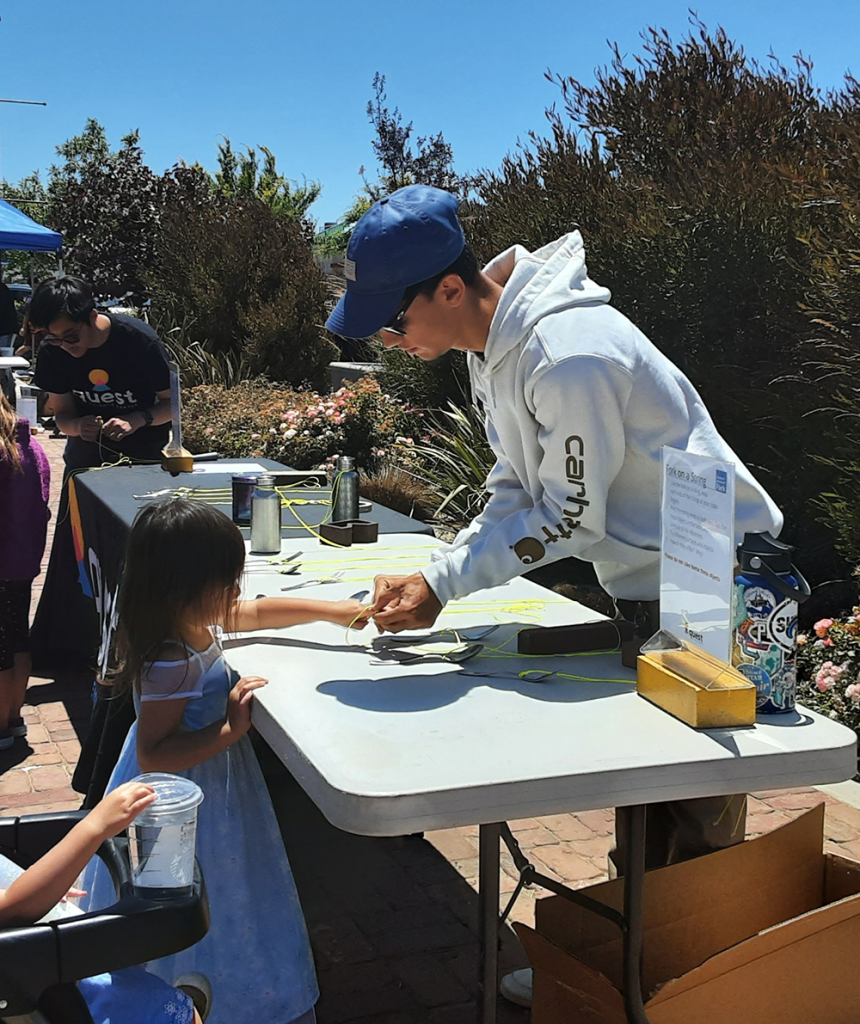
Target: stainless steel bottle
[(265, 517), (344, 490)]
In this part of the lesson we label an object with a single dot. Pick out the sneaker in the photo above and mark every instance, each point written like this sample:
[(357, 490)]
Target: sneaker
[(197, 986), (18, 727), (516, 987)]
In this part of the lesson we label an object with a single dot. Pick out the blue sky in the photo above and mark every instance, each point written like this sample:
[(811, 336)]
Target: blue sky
[(296, 76)]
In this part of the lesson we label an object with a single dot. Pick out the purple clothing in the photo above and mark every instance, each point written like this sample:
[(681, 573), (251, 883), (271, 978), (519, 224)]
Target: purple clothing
[(24, 509)]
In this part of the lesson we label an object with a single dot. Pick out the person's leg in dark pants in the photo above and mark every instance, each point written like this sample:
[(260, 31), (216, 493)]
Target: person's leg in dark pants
[(680, 829)]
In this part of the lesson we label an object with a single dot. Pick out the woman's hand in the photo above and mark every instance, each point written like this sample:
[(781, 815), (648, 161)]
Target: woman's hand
[(239, 704), (120, 807)]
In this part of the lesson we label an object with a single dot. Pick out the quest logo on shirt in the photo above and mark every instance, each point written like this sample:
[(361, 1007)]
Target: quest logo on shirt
[(101, 393)]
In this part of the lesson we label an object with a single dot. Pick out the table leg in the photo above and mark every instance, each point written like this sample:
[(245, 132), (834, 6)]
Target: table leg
[(634, 898), (488, 922)]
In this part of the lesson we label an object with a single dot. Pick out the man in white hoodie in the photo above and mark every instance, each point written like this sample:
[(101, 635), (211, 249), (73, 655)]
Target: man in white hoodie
[(578, 404)]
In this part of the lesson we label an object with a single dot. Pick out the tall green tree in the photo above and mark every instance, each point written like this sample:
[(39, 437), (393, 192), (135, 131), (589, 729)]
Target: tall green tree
[(241, 175), (430, 161)]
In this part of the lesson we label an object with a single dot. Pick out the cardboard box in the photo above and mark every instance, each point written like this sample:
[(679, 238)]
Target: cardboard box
[(766, 932), (729, 700)]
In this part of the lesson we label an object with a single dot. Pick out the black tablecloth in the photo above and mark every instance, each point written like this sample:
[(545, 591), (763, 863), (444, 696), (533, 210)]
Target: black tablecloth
[(76, 616)]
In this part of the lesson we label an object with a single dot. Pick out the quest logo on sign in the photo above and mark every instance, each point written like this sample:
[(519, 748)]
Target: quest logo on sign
[(101, 393)]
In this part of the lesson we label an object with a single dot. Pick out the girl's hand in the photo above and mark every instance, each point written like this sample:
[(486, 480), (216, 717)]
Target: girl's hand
[(239, 704), (352, 613), (120, 807)]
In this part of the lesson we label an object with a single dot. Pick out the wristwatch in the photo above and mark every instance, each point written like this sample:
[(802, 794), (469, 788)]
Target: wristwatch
[(147, 415)]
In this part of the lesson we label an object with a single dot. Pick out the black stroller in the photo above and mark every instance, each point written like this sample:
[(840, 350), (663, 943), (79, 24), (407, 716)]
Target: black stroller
[(39, 964)]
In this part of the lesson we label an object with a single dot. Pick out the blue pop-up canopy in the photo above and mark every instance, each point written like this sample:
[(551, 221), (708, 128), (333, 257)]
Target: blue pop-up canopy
[(18, 231)]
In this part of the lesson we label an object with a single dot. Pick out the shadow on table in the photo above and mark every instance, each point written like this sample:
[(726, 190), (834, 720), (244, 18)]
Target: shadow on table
[(285, 641), (392, 923), (726, 737), (402, 694)]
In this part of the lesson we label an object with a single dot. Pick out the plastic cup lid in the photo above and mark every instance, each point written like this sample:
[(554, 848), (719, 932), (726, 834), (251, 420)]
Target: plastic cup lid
[(175, 794)]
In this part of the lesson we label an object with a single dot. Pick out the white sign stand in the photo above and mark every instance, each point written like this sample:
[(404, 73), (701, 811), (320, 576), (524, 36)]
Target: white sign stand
[(698, 557)]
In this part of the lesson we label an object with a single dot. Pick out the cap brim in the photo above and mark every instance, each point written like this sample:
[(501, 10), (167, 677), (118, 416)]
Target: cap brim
[(360, 316)]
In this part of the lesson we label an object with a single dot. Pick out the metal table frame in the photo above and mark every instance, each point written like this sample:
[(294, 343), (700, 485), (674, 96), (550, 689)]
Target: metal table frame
[(489, 921)]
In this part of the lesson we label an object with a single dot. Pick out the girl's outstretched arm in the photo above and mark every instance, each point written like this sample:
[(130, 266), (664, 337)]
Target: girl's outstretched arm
[(43, 885), (277, 612), (163, 747)]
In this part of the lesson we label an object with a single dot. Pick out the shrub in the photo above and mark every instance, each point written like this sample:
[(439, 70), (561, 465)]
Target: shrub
[(301, 429), (828, 667), (719, 201), (430, 385), (244, 281), (452, 461)]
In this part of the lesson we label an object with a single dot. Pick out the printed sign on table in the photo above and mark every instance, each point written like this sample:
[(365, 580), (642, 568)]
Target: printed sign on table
[(698, 557)]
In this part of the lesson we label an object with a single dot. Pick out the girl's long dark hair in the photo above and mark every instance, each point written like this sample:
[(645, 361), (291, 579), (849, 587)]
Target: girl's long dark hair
[(9, 435), (183, 558)]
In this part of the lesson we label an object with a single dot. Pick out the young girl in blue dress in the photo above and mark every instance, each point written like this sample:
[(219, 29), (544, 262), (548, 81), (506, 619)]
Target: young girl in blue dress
[(180, 588)]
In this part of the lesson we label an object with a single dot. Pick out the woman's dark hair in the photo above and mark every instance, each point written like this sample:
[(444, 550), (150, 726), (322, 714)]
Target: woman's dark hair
[(62, 296), (181, 557)]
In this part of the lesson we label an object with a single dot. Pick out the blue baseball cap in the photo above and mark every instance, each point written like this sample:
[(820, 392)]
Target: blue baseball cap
[(401, 240)]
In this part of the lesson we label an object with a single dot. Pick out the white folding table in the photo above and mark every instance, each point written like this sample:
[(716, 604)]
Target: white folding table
[(7, 365), (390, 749)]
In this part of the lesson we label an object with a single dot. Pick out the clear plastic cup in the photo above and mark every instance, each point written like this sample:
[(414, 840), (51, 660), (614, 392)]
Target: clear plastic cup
[(162, 840)]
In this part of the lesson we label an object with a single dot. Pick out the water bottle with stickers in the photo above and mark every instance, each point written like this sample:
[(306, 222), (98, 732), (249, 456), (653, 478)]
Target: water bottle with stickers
[(767, 590)]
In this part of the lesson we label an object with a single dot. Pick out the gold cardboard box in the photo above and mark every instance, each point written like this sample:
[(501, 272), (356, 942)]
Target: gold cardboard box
[(714, 698), (176, 462)]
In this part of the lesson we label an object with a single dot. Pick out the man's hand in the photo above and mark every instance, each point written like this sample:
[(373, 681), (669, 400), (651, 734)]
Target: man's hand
[(89, 427), (116, 429), (404, 602)]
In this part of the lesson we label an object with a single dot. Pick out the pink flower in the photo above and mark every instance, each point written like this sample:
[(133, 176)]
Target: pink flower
[(853, 691), (828, 642), (822, 626), (209, 431)]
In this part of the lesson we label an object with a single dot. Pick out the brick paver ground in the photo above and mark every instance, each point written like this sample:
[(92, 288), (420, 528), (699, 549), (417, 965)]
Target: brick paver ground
[(393, 922)]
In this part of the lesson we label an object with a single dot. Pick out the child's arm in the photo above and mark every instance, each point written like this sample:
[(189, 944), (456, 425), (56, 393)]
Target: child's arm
[(161, 747), (43, 885), (277, 612)]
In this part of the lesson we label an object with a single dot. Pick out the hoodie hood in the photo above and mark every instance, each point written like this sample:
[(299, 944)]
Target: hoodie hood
[(547, 281)]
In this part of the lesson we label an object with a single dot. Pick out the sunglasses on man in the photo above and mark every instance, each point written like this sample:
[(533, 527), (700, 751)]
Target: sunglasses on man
[(393, 325), (69, 338)]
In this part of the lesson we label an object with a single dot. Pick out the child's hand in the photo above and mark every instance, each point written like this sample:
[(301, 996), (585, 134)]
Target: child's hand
[(352, 613), (239, 703), (120, 807)]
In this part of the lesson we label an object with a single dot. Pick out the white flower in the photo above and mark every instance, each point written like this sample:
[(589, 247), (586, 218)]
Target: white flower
[(290, 433)]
